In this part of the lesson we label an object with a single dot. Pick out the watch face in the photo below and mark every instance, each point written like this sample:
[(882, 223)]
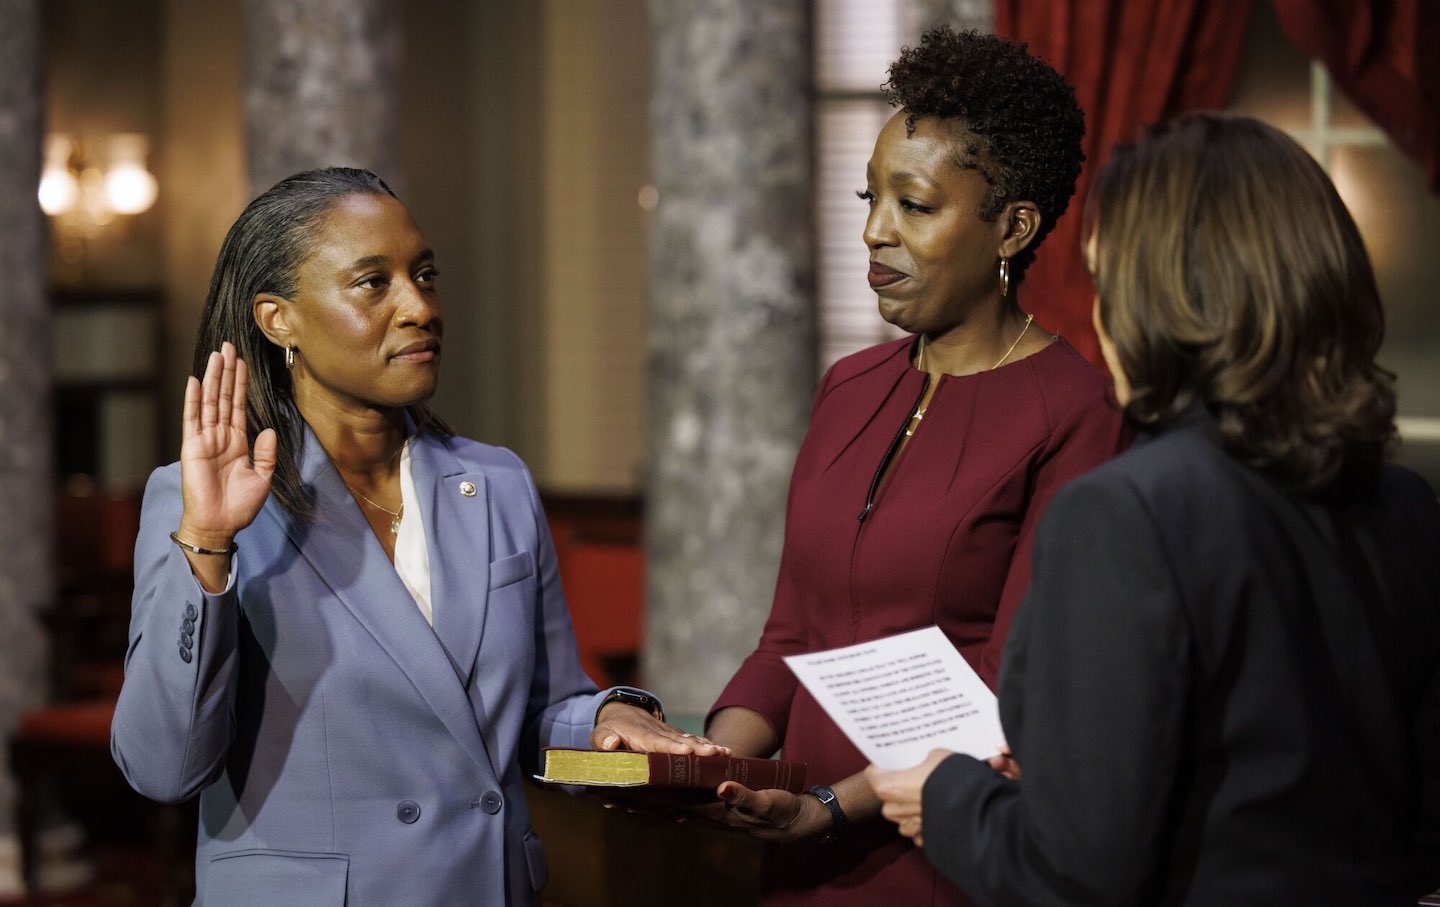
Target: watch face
[(639, 700)]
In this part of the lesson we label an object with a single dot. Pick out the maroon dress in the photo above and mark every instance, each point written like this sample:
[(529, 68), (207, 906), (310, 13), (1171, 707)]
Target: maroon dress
[(946, 540)]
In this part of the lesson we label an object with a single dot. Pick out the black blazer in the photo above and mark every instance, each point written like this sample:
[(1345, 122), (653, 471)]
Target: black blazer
[(1218, 693)]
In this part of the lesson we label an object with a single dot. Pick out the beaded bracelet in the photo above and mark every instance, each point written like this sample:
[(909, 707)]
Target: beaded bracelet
[(196, 549)]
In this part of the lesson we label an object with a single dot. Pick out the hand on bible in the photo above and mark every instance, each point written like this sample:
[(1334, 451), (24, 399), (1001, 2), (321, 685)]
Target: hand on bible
[(620, 726)]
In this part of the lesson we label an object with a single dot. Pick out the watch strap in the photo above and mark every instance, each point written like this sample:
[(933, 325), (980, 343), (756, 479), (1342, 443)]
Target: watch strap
[(638, 698), (827, 798)]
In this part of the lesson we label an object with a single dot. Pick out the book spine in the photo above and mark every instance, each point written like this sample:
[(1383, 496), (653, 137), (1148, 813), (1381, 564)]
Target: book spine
[(670, 770)]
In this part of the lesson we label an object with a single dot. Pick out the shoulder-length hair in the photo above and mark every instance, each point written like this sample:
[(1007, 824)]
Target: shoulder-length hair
[(1231, 276), (262, 253)]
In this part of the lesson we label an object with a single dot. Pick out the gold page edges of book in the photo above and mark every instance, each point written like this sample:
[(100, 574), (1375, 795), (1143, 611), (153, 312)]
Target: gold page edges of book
[(615, 768)]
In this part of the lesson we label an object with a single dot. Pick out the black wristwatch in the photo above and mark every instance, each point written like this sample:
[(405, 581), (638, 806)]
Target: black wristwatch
[(636, 698), (827, 797)]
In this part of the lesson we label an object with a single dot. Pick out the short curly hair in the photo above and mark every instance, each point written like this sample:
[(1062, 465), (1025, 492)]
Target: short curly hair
[(1021, 121)]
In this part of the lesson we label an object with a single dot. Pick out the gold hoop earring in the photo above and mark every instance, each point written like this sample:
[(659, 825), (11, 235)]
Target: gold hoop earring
[(1004, 277), (289, 357)]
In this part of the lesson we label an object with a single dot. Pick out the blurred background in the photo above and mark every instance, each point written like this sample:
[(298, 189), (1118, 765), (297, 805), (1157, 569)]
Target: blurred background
[(645, 221)]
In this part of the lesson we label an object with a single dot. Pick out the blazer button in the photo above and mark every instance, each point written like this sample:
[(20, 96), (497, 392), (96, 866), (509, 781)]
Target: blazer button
[(467, 489), (185, 655), (407, 811), (491, 802), (188, 626), (186, 641), (190, 612)]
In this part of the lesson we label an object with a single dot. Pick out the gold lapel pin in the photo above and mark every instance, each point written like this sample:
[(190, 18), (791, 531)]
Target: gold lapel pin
[(467, 489)]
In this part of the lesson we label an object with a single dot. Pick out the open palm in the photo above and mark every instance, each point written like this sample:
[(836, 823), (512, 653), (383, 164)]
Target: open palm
[(223, 487)]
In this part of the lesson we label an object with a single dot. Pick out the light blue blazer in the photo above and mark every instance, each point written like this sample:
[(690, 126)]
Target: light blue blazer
[(345, 752)]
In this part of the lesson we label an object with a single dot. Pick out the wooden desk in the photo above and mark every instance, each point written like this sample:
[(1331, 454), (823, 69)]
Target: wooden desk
[(609, 858)]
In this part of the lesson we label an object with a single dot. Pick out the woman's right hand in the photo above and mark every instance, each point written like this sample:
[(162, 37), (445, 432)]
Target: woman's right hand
[(223, 489), (1004, 763)]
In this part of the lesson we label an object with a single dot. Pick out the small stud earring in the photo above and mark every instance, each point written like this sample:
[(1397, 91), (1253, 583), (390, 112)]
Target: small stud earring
[(289, 357)]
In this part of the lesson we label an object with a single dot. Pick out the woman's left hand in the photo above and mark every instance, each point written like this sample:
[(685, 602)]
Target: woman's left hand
[(772, 815), (620, 726), (900, 793)]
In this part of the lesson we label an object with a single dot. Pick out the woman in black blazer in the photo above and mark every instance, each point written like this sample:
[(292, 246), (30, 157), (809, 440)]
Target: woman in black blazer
[(1224, 684)]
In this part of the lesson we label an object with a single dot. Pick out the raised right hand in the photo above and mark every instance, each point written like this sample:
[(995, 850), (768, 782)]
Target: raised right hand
[(223, 489)]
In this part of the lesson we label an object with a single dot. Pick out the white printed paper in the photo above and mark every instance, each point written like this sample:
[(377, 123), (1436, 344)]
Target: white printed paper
[(900, 697)]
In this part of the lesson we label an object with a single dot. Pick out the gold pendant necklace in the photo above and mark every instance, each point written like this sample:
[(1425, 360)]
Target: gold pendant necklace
[(919, 414), (395, 515)]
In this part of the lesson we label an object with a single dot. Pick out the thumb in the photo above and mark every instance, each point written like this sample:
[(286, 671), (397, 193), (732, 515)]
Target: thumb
[(736, 796), (265, 454)]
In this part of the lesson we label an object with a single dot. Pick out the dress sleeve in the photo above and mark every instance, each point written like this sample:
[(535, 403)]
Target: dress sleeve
[(1092, 435), (173, 722), (1093, 705), (763, 682)]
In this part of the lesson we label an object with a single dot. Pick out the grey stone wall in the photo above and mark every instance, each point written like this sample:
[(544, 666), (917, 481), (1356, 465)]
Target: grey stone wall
[(732, 327), (962, 14), (27, 579), (323, 80)]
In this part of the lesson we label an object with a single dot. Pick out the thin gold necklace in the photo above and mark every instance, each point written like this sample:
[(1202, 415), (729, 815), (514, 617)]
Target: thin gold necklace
[(919, 414), (395, 515), (1001, 361)]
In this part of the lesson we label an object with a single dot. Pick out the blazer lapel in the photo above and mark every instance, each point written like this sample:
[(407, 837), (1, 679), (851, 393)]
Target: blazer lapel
[(339, 544), (457, 531)]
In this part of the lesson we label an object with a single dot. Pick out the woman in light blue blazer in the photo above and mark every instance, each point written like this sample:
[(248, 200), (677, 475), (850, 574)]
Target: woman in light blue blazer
[(349, 636)]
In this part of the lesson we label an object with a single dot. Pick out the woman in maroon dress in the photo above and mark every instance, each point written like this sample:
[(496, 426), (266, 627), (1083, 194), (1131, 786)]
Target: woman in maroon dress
[(929, 459)]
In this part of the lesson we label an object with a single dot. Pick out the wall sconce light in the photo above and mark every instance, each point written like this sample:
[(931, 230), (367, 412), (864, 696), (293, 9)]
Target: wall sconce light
[(75, 189)]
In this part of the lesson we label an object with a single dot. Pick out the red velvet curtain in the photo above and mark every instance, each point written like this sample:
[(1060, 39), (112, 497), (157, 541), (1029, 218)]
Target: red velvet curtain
[(1385, 55), (1133, 63)]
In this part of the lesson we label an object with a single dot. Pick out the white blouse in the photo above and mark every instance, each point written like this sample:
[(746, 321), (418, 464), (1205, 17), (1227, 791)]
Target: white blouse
[(412, 557)]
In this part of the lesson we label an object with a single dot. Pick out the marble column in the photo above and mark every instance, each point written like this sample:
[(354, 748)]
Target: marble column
[(962, 14), (27, 486), (732, 327), (322, 87)]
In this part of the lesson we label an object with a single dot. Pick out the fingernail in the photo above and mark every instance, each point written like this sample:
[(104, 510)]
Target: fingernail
[(609, 742)]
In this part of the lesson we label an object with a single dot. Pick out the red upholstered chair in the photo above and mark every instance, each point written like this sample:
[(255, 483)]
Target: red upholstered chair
[(602, 564), (605, 586), (60, 752), (54, 747)]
